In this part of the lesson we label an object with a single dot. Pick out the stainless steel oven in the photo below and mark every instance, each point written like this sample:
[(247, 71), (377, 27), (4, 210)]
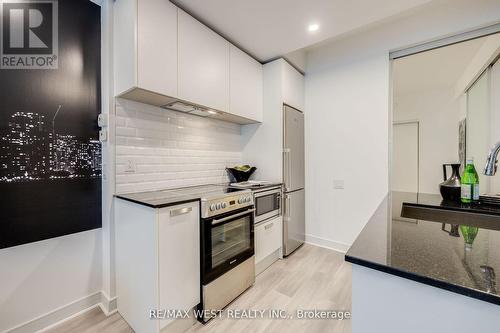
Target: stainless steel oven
[(227, 240), (267, 203), (227, 258)]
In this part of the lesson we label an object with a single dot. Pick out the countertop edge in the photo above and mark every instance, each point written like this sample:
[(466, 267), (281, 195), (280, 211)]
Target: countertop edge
[(163, 205), (426, 280), (466, 210)]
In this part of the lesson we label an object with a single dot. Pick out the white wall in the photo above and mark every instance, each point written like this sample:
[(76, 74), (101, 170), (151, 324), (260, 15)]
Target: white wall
[(262, 144), (171, 149), (405, 153), (347, 106), (438, 113), (40, 277), (298, 58)]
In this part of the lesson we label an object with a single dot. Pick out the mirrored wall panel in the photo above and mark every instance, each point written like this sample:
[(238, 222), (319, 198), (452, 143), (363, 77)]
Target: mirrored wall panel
[(446, 110)]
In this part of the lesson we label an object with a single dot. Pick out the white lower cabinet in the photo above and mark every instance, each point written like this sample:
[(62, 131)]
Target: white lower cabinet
[(268, 242), (157, 262), (179, 257)]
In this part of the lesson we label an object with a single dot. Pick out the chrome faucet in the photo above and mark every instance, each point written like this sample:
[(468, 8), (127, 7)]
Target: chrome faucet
[(491, 162)]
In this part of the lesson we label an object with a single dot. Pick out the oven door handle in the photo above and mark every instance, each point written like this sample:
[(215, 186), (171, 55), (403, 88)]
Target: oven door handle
[(214, 222)]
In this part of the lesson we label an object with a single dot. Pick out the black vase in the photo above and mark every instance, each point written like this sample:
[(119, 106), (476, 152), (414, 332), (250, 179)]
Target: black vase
[(450, 188), (240, 176)]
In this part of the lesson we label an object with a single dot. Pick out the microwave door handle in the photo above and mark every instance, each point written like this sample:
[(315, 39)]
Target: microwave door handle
[(214, 222)]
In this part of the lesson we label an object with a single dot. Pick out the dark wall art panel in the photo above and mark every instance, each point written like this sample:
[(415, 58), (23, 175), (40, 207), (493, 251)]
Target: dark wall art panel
[(50, 97)]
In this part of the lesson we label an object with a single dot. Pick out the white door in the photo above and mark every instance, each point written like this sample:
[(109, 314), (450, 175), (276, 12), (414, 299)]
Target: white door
[(405, 157)]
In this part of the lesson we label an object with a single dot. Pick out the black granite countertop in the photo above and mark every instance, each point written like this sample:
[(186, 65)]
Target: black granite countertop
[(159, 199), (462, 258), (435, 201), (177, 196)]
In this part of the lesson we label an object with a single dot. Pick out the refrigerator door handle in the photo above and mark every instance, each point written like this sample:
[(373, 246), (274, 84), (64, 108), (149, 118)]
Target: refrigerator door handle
[(287, 206), (288, 168)]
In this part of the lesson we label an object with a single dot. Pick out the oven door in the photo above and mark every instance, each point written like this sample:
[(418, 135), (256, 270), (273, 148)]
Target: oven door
[(227, 240), (267, 204)]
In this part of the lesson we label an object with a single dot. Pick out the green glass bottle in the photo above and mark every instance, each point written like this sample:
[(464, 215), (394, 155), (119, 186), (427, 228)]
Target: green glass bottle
[(470, 183), (469, 233)]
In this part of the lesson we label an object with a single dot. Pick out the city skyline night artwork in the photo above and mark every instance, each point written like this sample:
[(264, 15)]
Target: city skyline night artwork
[(50, 154)]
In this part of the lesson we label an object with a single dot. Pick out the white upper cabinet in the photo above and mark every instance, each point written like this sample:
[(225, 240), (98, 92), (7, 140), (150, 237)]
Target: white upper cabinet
[(162, 55), (157, 57), (145, 49), (245, 85), (203, 64), (293, 87)]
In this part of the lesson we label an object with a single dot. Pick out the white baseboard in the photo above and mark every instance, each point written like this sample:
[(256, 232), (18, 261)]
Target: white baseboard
[(67, 312), (108, 305), (327, 243)]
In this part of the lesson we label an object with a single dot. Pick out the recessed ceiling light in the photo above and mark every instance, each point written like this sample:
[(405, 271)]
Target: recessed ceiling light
[(212, 112), (313, 27)]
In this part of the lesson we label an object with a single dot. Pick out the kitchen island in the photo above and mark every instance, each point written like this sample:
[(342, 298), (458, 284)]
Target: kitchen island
[(445, 272)]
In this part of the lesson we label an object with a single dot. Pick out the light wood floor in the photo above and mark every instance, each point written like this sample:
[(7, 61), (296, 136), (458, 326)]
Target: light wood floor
[(93, 321), (311, 278)]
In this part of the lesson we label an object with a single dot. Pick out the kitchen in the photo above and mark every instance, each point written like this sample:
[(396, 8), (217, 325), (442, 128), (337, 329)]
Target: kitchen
[(241, 162)]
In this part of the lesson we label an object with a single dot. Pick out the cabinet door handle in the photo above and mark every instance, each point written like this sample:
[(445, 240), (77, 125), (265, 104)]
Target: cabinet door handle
[(269, 226), (180, 211)]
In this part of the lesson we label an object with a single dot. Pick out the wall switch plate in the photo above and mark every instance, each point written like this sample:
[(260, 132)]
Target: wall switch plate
[(338, 184), (130, 166), (103, 135), (102, 119)]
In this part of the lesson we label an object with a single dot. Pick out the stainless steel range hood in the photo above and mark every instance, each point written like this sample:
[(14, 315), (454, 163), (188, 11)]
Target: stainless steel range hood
[(175, 104)]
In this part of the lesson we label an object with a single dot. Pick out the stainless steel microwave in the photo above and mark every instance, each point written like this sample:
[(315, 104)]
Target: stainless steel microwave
[(267, 204)]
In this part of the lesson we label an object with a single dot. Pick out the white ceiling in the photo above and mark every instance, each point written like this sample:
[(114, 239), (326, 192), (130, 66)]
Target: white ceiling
[(435, 69), (271, 28)]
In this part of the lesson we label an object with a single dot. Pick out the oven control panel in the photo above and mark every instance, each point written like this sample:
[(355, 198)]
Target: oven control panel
[(226, 204)]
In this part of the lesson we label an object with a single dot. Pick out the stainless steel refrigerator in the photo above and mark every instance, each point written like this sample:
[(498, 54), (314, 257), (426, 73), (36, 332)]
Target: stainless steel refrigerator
[(293, 180)]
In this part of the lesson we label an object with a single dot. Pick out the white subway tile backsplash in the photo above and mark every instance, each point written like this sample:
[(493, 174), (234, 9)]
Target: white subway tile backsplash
[(125, 131), (171, 149)]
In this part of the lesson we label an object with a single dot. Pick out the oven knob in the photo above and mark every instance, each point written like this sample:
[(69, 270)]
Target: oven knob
[(219, 206), (223, 205), (240, 200), (212, 207), (249, 199)]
